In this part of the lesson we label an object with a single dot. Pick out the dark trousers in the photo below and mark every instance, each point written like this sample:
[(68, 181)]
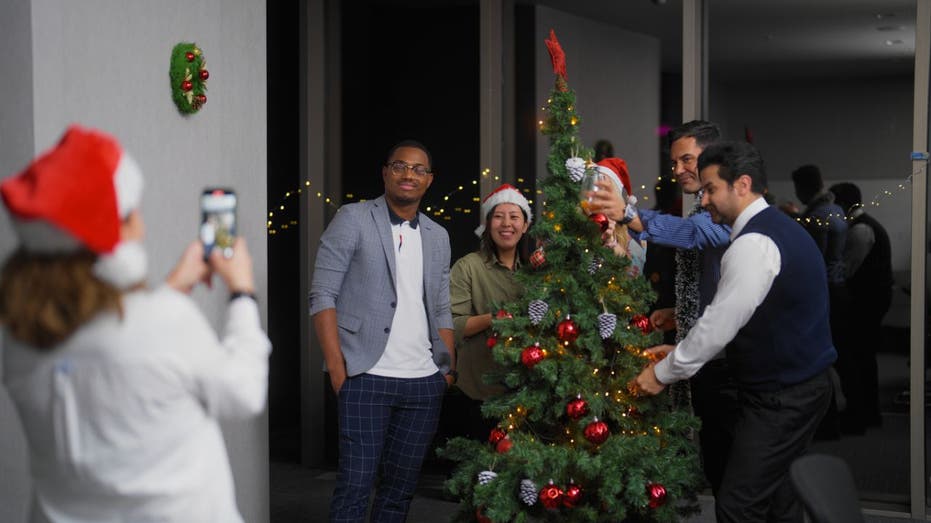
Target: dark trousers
[(462, 417), (386, 426), (773, 429), (856, 362), (714, 399)]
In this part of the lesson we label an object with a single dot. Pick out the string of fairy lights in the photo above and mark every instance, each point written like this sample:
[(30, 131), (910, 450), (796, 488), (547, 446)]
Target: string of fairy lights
[(445, 209), (448, 208), (277, 220), (874, 202)]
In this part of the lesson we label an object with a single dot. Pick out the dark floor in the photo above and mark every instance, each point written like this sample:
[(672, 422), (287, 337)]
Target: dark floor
[(302, 495), (878, 459)]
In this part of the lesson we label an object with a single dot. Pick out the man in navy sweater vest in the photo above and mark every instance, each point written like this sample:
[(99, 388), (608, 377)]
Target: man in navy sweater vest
[(772, 302)]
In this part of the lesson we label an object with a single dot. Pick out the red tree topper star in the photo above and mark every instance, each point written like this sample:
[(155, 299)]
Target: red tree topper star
[(558, 57)]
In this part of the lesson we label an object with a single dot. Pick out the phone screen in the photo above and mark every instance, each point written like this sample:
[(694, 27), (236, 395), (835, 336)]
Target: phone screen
[(218, 220)]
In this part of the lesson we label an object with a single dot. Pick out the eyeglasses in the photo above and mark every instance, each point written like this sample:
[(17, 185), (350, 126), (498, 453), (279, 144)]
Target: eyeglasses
[(398, 168)]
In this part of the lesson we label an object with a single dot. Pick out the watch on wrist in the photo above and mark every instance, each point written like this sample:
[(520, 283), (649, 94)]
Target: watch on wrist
[(454, 373), (243, 294), (630, 212)]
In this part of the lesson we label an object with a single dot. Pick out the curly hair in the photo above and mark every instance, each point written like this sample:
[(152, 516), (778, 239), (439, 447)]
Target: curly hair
[(45, 298)]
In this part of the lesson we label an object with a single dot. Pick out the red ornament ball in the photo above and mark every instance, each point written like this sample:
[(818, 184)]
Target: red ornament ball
[(643, 323), (657, 494), (532, 355), (577, 408), (551, 496), (567, 331), (201, 99), (186, 85), (503, 315), (189, 56), (496, 435), (572, 495), (597, 432), (481, 518), (491, 341), (537, 258), (504, 445), (601, 220), (204, 74)]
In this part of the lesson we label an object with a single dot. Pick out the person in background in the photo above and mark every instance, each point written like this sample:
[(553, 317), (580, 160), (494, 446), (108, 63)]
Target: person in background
[(823, 219), (380, 305), (700, 243), (771, 306), (603, 149), (479, 284), (868, 262), (826, 222), (119, 388)]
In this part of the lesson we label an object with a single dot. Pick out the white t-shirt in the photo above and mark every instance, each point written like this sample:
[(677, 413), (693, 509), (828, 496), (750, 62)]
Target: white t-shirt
[(407, 354)]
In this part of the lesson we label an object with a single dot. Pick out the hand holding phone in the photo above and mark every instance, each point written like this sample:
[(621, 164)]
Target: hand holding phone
[(236, 271), (218, 220)]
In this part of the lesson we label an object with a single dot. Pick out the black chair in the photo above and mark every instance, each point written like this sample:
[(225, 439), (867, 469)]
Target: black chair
[(825, 487)]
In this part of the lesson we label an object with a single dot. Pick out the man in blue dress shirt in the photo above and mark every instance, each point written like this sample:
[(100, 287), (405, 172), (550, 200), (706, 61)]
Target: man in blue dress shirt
[(700, 244)]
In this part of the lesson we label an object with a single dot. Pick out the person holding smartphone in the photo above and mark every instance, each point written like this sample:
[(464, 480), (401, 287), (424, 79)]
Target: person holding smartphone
[(120, 388)]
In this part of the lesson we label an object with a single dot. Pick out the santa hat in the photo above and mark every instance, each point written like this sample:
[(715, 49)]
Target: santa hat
[(616, 170), (75, 194), (507, 193)]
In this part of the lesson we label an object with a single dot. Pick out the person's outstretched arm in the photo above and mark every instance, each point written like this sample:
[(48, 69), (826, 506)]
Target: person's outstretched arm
[(695, 232)]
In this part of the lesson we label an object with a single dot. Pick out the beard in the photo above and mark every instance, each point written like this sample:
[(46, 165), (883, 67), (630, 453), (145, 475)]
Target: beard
[(124, 268)]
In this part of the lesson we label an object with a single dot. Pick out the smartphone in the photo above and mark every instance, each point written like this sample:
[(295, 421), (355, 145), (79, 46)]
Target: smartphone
[(218, 220)]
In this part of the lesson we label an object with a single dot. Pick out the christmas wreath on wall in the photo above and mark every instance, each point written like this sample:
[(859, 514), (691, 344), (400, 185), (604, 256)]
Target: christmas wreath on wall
[(188, 75)]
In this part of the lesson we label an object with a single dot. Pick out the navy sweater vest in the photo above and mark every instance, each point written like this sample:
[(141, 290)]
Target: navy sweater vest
[(788, 338)]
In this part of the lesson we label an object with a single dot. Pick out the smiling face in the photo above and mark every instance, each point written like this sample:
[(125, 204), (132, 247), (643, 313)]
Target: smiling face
[(721, 200), (403, 186), (506, 225), (684, 154)]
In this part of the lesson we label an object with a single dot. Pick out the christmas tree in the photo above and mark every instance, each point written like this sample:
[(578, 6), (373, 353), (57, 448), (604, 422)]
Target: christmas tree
[(573, 443)]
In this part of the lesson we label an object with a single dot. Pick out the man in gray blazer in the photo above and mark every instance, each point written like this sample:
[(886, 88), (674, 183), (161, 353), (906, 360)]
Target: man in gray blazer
[(380, 306)]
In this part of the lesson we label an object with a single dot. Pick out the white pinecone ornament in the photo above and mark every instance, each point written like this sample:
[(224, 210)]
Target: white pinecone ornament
[(537, 310), (528, 492), (575, 166), (595, 265), (486, 476), (606, 324)]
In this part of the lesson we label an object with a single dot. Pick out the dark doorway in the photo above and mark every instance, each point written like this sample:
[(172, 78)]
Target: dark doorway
[(285, 305)]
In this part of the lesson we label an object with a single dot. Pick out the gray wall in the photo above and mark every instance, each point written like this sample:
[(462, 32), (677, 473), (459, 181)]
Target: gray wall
[(16, 148), (857, 130), (616, 78), (104, 63)]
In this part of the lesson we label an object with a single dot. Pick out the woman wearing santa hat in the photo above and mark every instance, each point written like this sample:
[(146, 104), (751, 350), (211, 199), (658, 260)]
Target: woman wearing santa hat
[(616, 236), (480, 282), (119, 388)]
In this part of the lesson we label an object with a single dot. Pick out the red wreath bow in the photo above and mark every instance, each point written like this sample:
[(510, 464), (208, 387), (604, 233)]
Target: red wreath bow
[(557, 56)]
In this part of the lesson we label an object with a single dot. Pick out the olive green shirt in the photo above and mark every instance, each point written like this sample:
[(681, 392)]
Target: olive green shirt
[(474, 285)]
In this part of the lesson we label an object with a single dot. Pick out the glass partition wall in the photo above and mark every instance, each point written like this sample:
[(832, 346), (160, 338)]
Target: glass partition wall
[(830, 84)]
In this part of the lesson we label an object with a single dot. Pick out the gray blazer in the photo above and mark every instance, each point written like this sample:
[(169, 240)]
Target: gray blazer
[(355, 274)]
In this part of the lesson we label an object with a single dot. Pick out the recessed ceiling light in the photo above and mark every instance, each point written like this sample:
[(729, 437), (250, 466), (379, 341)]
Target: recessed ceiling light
[(894, 42), (883, 16), (890, 28)]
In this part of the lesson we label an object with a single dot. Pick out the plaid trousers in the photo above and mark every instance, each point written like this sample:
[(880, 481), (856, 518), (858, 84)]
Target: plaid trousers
[(386, 426)]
